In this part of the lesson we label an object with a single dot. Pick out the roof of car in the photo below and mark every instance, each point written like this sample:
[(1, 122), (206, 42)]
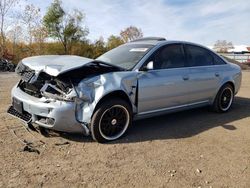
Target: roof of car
[(148, 40), (155, 41), (159, 40)]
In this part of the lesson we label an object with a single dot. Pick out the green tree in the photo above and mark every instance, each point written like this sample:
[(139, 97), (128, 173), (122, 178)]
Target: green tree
[(114, 41), (99, 47), (65, 27), (84, 48)]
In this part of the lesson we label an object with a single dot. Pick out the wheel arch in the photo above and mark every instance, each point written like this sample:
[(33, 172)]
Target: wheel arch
[(114, 94), (217, 104), (230, 82)]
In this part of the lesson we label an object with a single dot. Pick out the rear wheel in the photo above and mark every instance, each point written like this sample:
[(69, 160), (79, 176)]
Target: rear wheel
[(224, 99), (111, 120)]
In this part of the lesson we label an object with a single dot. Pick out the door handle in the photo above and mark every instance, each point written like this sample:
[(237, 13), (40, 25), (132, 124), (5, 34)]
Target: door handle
[(185, 77), (217, 74)]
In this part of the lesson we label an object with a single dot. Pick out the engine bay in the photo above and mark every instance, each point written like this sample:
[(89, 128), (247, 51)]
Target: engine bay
[(60, 87)]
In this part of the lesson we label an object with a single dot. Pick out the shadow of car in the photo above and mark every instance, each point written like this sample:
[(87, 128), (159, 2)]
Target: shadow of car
[(178, 125)]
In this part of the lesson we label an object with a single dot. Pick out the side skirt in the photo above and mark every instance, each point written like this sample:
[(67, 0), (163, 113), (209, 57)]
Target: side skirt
[(173, 109)]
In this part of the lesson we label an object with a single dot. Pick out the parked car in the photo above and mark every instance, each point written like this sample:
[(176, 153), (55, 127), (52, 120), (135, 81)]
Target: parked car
[(140, 79), (6, 65)]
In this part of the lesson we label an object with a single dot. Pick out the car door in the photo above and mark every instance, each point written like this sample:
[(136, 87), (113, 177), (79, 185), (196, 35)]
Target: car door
[(165, 85), (204, 76)]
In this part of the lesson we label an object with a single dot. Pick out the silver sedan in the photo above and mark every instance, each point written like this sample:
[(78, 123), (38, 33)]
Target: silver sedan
[(140, 79)]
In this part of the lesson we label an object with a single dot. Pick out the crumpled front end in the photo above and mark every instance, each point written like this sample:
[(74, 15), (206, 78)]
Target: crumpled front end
[(44, 100), (66, 102), (48, 113)]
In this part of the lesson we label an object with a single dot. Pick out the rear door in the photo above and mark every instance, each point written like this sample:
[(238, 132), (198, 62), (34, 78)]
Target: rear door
[(166, 85), (204, 75)]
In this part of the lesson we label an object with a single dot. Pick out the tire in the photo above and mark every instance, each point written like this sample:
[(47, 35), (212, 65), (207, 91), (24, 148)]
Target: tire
[(111, 120), (224, 99)]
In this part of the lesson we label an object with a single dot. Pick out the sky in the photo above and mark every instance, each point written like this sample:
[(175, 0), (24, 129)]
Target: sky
[(200, 21)]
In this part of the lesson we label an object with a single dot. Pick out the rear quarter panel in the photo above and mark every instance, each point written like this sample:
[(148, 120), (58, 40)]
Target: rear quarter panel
[(230, 73)]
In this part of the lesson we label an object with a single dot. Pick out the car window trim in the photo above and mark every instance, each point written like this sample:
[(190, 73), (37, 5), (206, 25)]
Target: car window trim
[(209, 51), (155, 70), (163, 46), (186, 68), (214, 54)]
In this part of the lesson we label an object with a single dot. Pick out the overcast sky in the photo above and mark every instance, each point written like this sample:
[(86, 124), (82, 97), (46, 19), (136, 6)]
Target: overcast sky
[(201, 21)]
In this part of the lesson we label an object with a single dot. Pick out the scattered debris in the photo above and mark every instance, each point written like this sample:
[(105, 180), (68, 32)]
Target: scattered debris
[(42, 142), (63, 143), (207, 182), (198, 170), (44, 175), (29, 148), (172, 172), (244, 170), (58, 165), (27, 142)]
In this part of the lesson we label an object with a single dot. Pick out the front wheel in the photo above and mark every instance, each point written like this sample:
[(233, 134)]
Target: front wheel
[(224, 99), (111, 120)]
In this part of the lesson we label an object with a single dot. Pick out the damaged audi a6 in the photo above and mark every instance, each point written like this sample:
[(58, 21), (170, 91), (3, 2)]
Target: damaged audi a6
[(140, 79)]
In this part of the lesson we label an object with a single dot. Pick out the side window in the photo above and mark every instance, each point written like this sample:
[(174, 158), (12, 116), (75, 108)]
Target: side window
[(170, 56), (198, 56), (218, 60)]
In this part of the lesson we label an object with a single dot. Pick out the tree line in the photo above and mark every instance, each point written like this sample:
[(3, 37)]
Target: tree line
[(28, 33)]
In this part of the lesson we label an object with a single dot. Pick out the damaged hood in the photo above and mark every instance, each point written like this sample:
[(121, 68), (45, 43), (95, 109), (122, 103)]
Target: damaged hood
[(55, 64)]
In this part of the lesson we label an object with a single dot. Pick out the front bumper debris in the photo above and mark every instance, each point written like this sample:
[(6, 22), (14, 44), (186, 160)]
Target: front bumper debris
[(26, 117), (55, 115)]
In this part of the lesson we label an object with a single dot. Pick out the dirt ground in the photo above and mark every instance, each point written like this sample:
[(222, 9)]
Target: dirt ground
[(195, 148)]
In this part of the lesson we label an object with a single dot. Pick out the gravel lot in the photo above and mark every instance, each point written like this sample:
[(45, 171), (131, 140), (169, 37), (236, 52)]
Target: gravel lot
[(195, 148)]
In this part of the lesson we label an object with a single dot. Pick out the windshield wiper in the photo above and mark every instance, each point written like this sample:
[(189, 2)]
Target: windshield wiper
[(99, 62)]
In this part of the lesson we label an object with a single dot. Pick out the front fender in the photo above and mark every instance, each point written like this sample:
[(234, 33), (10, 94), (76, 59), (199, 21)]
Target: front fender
[(91, 91)]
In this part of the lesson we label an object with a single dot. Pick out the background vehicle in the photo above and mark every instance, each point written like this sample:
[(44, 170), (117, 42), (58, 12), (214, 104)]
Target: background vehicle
[(143, 78), (6, 65)]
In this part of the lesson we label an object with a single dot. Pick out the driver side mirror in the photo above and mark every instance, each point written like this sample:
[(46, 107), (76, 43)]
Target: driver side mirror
[(149, 66)]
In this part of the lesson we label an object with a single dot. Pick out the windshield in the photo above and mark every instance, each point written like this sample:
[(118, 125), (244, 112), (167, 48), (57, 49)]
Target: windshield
[(125, 56)]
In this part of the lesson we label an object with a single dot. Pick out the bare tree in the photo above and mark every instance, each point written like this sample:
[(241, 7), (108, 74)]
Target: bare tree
[(131, 33), (5, 7), (31, 18), (15, 35), (39, 35), (222, 46)]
